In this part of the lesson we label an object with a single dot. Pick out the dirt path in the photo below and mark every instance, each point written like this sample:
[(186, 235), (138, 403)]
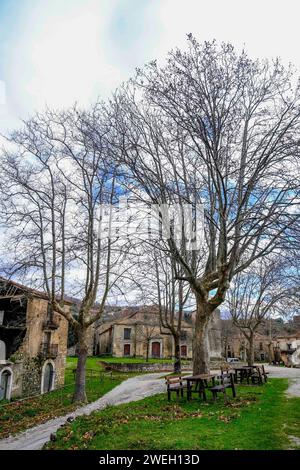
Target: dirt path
[(133, 389)]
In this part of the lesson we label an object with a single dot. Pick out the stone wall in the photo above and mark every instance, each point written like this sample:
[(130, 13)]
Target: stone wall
[(152, 367), (32, 376)]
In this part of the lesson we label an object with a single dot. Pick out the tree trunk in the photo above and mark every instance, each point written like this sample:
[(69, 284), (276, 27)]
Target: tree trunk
[(80, 393), (147, 352), (250, 355), (200, 340), (177, 362), (271, 352), (226, 349)]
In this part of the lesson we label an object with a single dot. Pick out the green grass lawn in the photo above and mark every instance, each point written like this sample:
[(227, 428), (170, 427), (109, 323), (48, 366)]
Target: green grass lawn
[(260, 418), (19, 415)]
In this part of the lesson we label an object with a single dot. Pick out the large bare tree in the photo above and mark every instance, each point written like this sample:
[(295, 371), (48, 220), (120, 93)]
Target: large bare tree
[(214, 128), (57, 180)]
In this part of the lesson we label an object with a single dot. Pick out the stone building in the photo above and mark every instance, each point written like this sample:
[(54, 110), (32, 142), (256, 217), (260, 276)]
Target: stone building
[(33, 343), (234, 343), (287, 349), (139, 334)]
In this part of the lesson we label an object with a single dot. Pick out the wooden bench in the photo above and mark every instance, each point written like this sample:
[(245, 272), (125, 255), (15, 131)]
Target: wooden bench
[(256, 376), (226, 381), (175, 384)]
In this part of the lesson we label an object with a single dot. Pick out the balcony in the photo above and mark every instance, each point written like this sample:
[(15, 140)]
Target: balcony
[(50, 325), (49, 350)]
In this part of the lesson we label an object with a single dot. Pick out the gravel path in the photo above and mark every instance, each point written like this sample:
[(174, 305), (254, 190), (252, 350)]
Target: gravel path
[(287, 373), (132, 389)]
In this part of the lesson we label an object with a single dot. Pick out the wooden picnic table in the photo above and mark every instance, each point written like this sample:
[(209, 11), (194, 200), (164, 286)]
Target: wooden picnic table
[(201, 383)]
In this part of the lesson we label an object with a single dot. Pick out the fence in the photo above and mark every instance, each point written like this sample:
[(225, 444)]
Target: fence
[(91, 374)]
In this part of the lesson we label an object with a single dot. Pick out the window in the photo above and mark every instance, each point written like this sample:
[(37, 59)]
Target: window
[(261, 346), (127, 333), (2, 351), (183, 335), (1, 316)]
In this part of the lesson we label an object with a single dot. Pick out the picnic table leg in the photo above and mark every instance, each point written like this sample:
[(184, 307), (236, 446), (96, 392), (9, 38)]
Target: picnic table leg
[(232, 386), (200, 384), (248, 376), (188, 390)]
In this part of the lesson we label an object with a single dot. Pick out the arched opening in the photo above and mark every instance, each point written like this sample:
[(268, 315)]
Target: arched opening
[(5, 384), (48, 374)]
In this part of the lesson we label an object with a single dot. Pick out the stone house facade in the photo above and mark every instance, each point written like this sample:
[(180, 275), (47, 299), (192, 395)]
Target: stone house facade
[(287, 349), (234, 344), (139, 335), (33, 344)]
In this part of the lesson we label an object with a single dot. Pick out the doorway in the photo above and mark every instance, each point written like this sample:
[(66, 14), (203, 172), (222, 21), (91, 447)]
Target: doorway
[(183, 350), (126, 349), (48, 378), (155, 349), (5, 385)]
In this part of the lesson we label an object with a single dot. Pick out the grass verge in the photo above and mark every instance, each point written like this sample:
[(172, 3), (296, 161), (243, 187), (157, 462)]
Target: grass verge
[(261, 418)]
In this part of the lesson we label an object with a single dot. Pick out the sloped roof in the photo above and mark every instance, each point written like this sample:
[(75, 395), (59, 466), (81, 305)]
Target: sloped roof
[(24, 289), (289, 336)]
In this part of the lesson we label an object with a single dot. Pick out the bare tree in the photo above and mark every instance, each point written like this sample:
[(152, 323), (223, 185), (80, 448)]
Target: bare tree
[(216, 129), (172, 297), (144, 333), (226, 333), (56, 178), (259, 293)]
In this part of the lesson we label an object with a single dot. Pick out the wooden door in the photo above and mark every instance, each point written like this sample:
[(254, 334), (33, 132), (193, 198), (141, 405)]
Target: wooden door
[(126, 349), (155, 351), (48, 378), (183, 350)]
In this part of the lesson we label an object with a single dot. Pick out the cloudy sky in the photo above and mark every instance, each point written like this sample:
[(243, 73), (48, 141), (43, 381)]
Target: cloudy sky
[(56, 52)]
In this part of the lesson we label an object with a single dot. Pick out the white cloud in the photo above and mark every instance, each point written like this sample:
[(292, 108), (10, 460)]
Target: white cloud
[(69, 51)]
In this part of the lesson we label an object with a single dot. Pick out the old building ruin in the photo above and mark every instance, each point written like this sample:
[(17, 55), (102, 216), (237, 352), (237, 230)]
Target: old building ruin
[(33, 342)]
